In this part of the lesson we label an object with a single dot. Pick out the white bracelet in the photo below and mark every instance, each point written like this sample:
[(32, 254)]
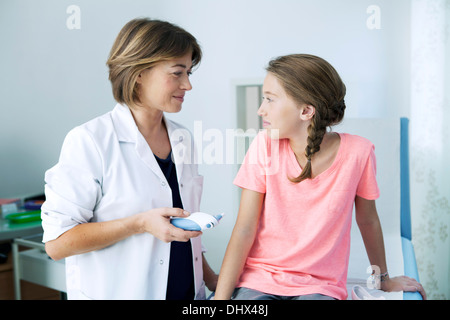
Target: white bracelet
[(381, 277)]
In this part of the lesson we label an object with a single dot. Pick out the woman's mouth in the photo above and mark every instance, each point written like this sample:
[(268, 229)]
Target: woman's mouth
[(266, 123), (179, 98)]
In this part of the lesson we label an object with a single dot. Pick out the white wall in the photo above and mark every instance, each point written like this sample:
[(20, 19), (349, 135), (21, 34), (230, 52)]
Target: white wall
[(53, 78)]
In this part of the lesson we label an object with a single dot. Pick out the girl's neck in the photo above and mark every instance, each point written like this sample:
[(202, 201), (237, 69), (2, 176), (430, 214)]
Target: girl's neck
[(299, 144)]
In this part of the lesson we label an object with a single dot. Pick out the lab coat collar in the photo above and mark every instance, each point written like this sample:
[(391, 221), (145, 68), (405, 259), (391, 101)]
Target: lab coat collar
[(124, 124), (127, 131), (180, 145)]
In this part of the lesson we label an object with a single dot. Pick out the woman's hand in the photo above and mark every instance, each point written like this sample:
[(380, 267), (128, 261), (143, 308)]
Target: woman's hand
[(212, 283), (157, 222), (403, 283), (209, 276)]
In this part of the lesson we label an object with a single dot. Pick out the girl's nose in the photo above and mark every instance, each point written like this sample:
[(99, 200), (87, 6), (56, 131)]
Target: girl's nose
[(261, 111)]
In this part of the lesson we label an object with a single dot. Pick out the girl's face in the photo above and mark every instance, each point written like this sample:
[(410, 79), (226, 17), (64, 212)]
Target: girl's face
[(281, 115), (163, 86)]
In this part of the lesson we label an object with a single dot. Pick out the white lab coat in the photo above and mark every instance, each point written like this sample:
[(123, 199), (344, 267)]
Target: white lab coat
[(107, 171)]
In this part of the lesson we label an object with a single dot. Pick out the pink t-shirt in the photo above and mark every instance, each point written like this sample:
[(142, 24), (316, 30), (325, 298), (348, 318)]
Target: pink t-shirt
[(302, 245)]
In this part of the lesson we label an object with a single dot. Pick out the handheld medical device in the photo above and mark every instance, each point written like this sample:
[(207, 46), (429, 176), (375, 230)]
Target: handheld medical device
[(197, 221)]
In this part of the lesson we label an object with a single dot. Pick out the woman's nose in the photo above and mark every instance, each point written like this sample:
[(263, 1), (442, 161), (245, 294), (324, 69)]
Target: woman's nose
[(186, 84)]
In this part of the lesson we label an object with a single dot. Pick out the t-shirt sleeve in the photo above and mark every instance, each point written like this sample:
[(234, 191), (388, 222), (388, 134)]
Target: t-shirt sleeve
[(252, 173), (368, 186)]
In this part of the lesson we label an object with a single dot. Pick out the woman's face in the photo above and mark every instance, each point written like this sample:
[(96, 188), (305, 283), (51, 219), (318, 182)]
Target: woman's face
[(281, 115), (163, 86)]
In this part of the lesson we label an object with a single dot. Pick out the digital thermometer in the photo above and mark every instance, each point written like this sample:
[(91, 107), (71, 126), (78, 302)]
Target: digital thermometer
[(197, 221)]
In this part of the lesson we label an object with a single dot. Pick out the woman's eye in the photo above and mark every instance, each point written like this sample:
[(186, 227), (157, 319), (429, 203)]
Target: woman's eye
[(180, 73)]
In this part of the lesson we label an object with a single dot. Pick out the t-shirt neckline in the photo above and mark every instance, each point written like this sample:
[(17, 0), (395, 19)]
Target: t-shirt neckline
[(298, 169)]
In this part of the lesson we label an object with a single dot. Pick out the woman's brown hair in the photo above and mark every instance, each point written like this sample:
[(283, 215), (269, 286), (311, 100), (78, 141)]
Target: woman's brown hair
[(311, 80), (140, 45)]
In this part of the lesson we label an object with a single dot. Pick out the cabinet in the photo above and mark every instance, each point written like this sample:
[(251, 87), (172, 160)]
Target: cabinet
[(29, 291)]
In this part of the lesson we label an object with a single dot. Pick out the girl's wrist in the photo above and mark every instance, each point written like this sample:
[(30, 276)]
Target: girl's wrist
[(384, 276), (378, 279)]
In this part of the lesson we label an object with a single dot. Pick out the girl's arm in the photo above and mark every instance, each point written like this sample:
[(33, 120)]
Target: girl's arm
[(240, 243), (370, 227)]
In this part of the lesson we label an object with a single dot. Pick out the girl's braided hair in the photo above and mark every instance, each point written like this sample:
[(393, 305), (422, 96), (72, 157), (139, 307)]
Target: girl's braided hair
[(311, 80)]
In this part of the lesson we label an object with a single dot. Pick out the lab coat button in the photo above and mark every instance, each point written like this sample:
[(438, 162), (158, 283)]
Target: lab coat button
[(161, 261), (163, 183), (181, 185)]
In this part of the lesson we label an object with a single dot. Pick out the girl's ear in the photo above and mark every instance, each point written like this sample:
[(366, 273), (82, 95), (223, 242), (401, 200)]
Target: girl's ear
[(307, 111)]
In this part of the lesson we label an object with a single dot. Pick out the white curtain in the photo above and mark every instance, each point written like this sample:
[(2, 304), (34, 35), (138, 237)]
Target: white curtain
[(430, 143)]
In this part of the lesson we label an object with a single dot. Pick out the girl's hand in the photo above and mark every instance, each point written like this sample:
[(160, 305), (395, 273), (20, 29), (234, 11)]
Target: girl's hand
[(403, 283), (157, 222)]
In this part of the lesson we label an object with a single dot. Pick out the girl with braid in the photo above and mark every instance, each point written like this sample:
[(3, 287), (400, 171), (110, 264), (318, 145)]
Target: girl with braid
[(291, 239)]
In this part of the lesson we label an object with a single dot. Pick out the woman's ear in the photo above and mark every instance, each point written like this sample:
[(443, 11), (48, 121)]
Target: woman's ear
[(139, 78), (141, 75), (307, 111)]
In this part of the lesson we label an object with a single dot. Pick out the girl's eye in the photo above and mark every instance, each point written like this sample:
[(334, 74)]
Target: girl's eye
[(268, 99)]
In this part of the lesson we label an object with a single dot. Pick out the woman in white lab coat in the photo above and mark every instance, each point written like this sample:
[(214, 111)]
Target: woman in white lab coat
[(121, 176)]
